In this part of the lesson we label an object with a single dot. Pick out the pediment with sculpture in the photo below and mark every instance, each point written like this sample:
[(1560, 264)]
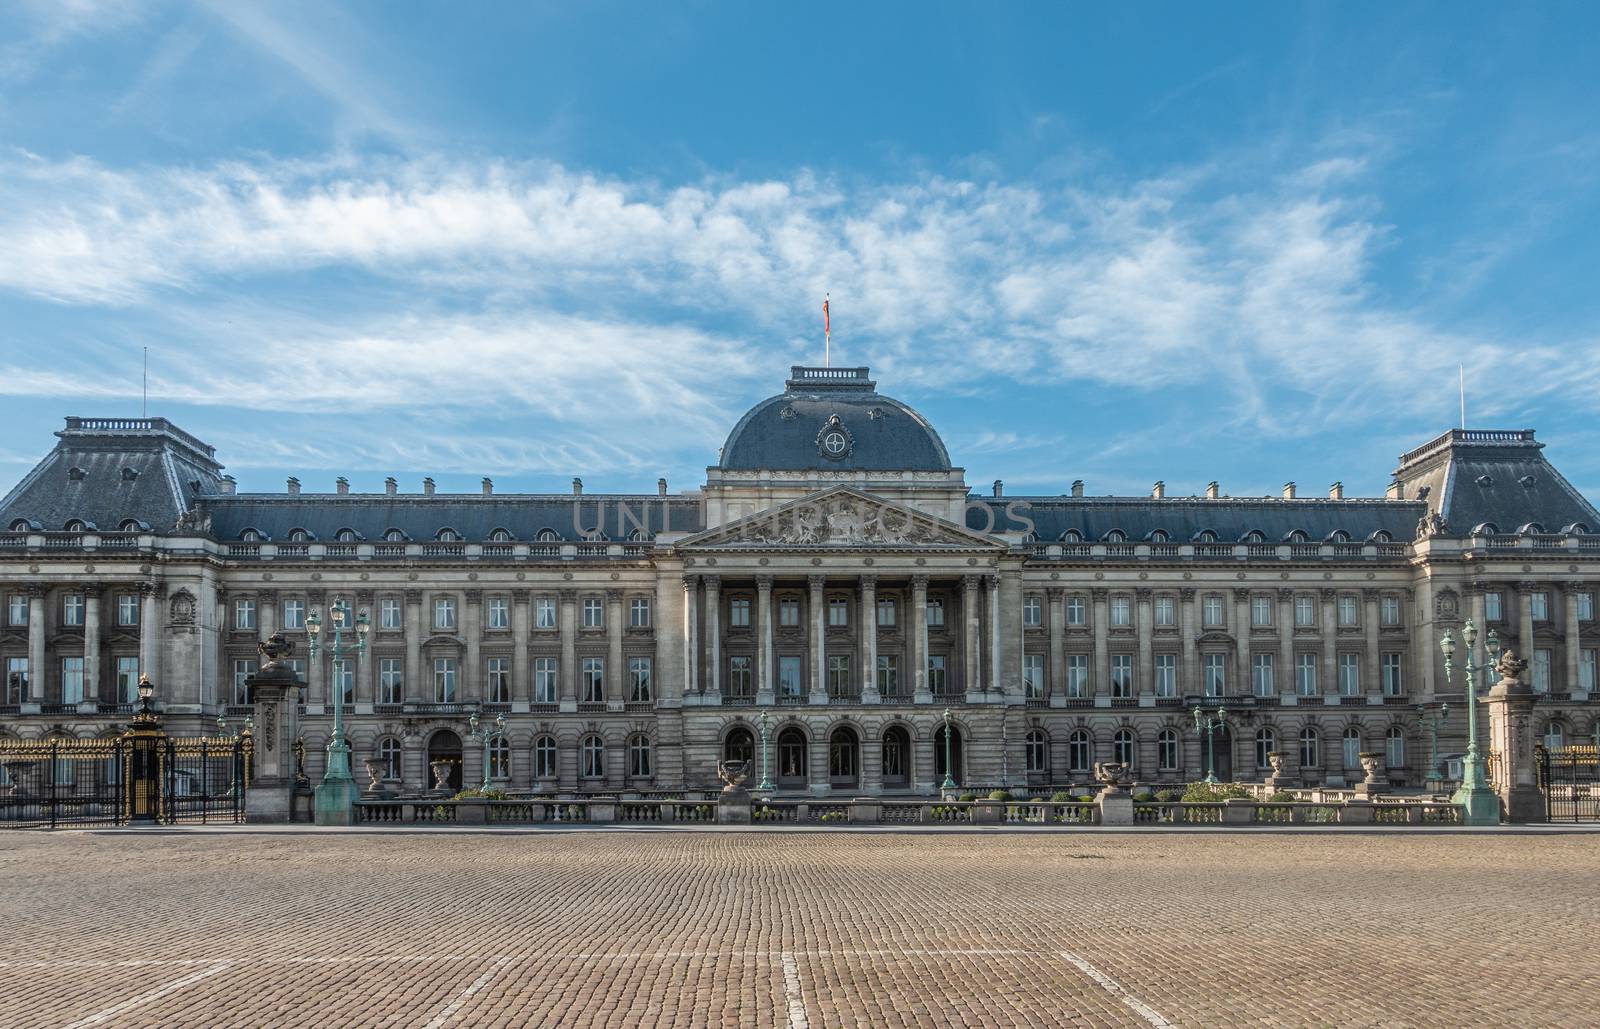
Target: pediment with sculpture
[(842, 518)]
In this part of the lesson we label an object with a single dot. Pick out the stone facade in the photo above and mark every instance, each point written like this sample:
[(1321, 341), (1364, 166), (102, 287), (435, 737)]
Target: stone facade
[(834, 573)]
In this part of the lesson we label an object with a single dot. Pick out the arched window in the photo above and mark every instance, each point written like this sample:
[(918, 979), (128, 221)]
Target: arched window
[(1310, 748), (499, 758), (1298, 536), (299, 536), (1382, 536), (448, 536), (637, 536), (1116, 536), (595, 534), (843, 752), (500, 536), (640, 762), (250, 536), (544, 757), (345, 536), (1394, 747), (129, 525), (1255, 536), (20, 525), (394, 535), (1124, 747), (1037, 749), (1554, 736), (1206, 536), (1266, 743), (592, 758), (75, 525), (547, 536), (792, 756), (1167, 749), (1078, 750), (896, 757), (739, 745), (389, 757), (1072, 536), (1159, 536), (1352, 747), (1339, 536)]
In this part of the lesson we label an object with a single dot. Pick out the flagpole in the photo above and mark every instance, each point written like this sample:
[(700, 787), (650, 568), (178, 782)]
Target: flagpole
[(827, 334), (1461, 380)]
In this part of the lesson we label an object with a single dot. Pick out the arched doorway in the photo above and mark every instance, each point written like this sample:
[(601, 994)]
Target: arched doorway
[(844, 758), (1223, 742), (445, 745), (896, 758), (791, 759), (958, 765), (739, 745)]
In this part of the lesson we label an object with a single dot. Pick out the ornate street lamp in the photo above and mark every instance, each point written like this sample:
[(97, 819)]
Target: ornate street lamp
[(1434, 780), (487, 735), (1479, 804), (949, 768), (766, 770), (1210, 725), (336, 794)]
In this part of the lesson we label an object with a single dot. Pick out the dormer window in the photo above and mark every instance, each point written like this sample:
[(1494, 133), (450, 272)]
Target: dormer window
[(1255, 536), (345, 535), (500, 536), (1206, 536), (595, 535), (299, 536), (548, 536), (1159, 536), (1382, 536), (130, 525), (250, 536), (1072, 536), (448, 536), (76, 474), (638, 536), (1116, 536), (394, 536), (20, 525), (1298, 536), (129, 473), (75, 525), (1339, 536)]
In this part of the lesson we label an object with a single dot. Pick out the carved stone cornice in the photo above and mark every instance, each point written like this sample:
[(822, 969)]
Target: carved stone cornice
[(868, 582), (919, 582), (713, 583), (816, 582), (1526, 586), (764, 583), (151, 588)]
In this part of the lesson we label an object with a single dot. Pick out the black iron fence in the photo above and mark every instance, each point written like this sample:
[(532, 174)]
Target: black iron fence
[(204, 779), (1570, 779)]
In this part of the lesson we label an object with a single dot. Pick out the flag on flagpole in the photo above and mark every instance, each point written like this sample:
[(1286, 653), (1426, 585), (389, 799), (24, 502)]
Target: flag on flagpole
[(827, 329), (827, 334)]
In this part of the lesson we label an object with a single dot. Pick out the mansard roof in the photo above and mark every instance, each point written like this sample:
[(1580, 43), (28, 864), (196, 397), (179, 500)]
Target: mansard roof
[(1184, 519), (1474, 477)]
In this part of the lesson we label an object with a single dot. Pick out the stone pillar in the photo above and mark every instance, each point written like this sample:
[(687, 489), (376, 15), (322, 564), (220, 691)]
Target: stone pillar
[(567, 624), (1286, 671), (1243, 685), (317, 671), (1101, 671), (1144, 675), (713, 585), (616, 673), (366, 669), (764, 687), (1372, 684), (473, 676), (274, 690), (870, 757), (817, 765), (1189, 673), (819, 663), (970, 637), (1056, 687), (267, 613), (869, 642), (994, 683), (412, 687), (521, 681), (91, 647), (691, 635), (1510, 704), (919, 640), (1525, 642), (1330, 649), (150, 630), (1571, 641), (36, 677)]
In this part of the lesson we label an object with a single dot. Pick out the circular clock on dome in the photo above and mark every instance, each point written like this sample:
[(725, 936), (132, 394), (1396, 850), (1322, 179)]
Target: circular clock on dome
[(834, 442)]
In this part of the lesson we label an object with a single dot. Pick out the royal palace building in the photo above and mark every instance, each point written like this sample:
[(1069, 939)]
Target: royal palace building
[(831, 599)]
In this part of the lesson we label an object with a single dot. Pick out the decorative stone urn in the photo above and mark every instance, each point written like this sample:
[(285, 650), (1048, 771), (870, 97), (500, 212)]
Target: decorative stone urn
[(1277, 779), (441, 775), (375, 770), (733, 803), (1372, 780), (1111, 774)]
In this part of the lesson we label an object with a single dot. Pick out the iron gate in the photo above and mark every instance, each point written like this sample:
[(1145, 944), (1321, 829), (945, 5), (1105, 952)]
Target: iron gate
[(1570, 779), (204, 779), (57, 783)]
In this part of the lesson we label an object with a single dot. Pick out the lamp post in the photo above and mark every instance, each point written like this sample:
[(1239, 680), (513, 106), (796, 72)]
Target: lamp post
[(337, 793), (766, 769), (1479, 804), (1433, 721), (487, 735), (949, 768), (146, 742), (1210, 725)]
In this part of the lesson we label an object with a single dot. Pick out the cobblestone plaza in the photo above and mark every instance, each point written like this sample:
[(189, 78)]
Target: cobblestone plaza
[(782, 928)]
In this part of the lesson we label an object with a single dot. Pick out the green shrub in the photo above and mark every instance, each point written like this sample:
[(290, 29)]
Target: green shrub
[(475, 793), (1143, 796), (1000, 795), (1085, 795), (1060, 797), (967, 798), (1169, 796), (1281, 797), (1203, 792)]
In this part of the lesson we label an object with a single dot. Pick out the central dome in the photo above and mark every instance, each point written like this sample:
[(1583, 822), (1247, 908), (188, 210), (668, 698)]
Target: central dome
[(833, 418)]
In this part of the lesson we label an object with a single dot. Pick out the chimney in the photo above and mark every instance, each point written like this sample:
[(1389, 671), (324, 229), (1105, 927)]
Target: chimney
[(427, 487), (230, 485), (661, 487), (1159, 490), (1336, 491), (577, 486), (1288, 491), (488, 486), (999, 488), (1396, 491), (1077, 487), (1213, 491), (294, 486), (341, 485), (390, 486)]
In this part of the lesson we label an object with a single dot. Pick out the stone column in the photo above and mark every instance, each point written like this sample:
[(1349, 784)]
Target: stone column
[(91, 646), (1285, 671), (366, 669), (1144, 675), (567, 624), (412, 687), (713, 639), (691, 635), (819, 663), (869, 644), (36, 615), (1330, 650), (1525, 642), (275, 693), (1056, 687), (970, 681), (317, 671), (1510, 710), (1101, 673), (764, 687), (992, 611), (473, 676), (1242, 628), (1189, 674), (919, 640), (521, 681), (616, 673), (150, 630), (1571, 641), (1372, 684)]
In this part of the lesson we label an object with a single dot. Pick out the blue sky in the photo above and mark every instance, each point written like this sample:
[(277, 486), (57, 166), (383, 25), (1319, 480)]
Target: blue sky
[(1248, 242)]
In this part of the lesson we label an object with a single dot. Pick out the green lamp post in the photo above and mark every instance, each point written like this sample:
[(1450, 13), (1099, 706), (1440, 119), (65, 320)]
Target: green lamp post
[(949, 767), (488, 735), (1433, 721), (1479, 805), (766, 769), (336, 795), (1210, 725)]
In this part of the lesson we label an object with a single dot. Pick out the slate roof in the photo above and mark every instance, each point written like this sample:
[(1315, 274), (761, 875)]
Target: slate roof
[(782, 432), (1184, 519), (1500, 477)]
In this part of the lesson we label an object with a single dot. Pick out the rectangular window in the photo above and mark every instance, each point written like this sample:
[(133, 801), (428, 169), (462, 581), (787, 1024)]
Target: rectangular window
[(938, 685), (592, 680), (1033, 676), (1585, 603), (544, 680), (127, 609), (1350, 675), (544, 613), (1212, 610), (17, 609), (1216, 679), (838, 611), (1260, 611), (244, 614), (72, 680), (839, 675), (1121, 611), (888, 675), (641, 686), (344, 680), (1122, 675), (1032, 612), (497, 680), (1305, 611), (1166, 675), (739, 676), (243, 669), (789, 611), (1349, 611), (499, 613), (1078, 675), (72, 606), (1493, 610), (444, 613), (1076, 612), (1541, 671), (935, 613), (1394, 684), (594, 613), (1389, 610), (444, 680), (16, 682), (390, 614), (390, 678), (1587, 667), (1539, 606), (127, 680), (1305, 674), (789, 675), (1166, 612), (1261, 675), (294, 614), (886, 612), (739, 613), (639, 613)]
